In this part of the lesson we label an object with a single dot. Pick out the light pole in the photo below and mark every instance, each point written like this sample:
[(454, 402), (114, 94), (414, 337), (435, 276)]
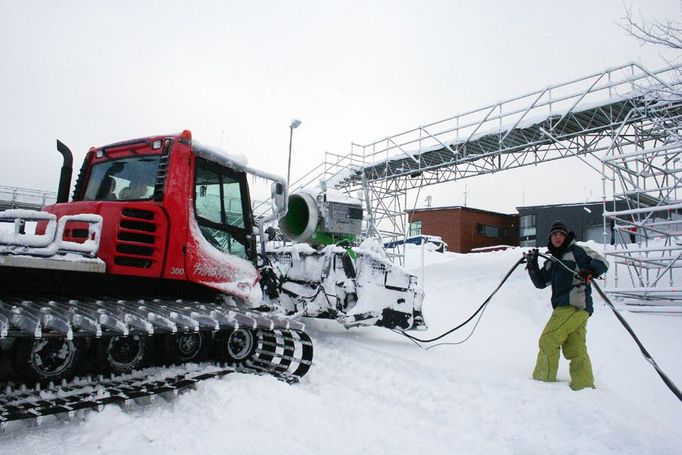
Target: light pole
[(295, 123)]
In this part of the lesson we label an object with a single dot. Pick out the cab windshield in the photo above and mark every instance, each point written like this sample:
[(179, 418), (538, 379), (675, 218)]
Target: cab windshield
[(220, 196), (127, 179)]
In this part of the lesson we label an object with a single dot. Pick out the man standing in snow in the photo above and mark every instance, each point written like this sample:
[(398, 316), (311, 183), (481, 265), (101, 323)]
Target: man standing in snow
[(572, 303)]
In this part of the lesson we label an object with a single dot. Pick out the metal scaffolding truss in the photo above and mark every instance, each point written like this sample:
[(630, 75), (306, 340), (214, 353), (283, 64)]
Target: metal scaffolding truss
[(24, 198), (574, 119), (645, 168)]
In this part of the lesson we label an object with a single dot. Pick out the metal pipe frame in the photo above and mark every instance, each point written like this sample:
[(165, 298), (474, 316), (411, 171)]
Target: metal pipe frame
[(644, 162), (606, 115)]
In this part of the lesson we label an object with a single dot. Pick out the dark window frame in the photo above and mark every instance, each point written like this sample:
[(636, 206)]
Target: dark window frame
[(492, 231), (104, 192), (243, 235), (415, 228)]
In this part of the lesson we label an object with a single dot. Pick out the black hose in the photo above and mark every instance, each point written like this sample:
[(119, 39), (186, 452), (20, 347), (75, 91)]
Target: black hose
[(413, 338), (673, 388), (645, 353)]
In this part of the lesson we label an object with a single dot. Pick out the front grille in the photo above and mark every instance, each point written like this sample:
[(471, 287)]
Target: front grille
[(135, 241), (134, 249), (136, 213), (134, 237), (138, 225)]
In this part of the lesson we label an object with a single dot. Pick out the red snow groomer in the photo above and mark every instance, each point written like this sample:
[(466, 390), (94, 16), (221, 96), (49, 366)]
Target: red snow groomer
[(156, 260), (152, 259)]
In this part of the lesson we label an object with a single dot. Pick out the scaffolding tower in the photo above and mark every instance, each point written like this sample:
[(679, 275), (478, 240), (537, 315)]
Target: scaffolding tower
[(644, 168)]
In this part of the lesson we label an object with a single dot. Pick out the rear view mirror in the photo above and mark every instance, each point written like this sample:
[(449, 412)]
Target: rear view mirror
[(278, 194)]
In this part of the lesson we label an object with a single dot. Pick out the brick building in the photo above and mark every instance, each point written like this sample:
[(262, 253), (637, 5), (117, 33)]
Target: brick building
[(465, 228)]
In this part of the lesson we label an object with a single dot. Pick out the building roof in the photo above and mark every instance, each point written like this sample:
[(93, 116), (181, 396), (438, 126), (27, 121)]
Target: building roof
[(573, 204), (457, 207)]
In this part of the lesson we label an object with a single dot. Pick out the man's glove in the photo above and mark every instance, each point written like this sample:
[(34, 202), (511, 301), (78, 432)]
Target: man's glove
[(531, 258), (585, 275)]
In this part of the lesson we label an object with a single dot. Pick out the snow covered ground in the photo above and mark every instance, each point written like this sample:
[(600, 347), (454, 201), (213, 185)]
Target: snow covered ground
[(373, 391)]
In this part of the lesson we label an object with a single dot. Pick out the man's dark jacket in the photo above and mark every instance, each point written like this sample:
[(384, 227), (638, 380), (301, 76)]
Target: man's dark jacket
[(567, 289)]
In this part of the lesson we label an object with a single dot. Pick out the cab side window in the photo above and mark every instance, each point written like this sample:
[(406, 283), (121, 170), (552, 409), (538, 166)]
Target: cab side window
[(220, 196)]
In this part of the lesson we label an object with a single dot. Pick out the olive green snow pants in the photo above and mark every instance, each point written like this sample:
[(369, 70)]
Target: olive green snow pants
[(566, 329)]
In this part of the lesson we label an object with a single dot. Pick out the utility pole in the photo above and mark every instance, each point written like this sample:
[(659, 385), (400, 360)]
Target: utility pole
[(295, 123)]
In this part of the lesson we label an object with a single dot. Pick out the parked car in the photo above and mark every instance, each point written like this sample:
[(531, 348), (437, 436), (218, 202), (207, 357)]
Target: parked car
[(433, 242)]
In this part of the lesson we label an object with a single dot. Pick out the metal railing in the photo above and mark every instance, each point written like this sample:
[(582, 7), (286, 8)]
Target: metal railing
[(501, 118), (15, 197)]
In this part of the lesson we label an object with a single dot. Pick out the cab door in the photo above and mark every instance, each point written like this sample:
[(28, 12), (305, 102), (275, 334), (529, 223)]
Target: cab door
[(223, 209), (221, 248)]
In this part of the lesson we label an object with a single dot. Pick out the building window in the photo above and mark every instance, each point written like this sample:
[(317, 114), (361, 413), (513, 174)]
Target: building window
[(528, 231), (527, 243), (415, 228), (491, 231), (527, 226)]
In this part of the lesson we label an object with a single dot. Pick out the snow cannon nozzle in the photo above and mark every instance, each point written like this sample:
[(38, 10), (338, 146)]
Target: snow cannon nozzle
[(325, 218)]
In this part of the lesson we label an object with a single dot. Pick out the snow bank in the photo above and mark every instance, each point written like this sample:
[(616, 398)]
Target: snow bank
[(372, 391)]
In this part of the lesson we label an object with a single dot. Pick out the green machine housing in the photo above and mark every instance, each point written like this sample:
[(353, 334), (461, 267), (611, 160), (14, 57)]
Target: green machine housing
[(325, 218)]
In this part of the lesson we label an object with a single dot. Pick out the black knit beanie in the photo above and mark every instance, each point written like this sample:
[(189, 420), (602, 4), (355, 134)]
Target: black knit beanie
[(558, 226)]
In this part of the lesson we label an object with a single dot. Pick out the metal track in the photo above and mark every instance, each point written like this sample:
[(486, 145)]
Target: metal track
[(140, 388), (276, 352), (38, 317), (281, 349)]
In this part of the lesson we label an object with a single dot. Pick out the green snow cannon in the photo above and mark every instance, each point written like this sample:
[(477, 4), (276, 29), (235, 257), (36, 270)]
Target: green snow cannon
[(325, 219)]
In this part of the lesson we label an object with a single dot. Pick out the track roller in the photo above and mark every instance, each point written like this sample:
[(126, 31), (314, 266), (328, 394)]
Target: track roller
[(123, 354), (235, 346), (187, 346), (46, 359)]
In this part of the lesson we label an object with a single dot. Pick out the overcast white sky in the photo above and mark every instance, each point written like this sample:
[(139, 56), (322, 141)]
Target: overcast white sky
[(236, 73)]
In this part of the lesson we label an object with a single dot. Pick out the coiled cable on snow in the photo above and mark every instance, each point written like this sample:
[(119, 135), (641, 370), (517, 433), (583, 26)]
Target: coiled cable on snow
[(418, 341), (480, 308)]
